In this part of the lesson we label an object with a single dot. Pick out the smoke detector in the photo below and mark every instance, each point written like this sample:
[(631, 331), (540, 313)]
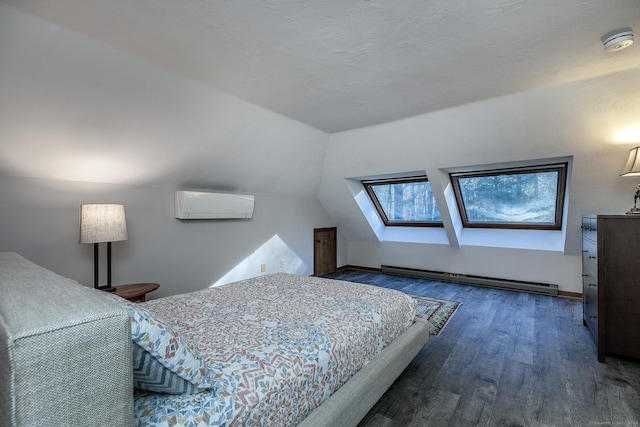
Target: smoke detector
[(618, 41)]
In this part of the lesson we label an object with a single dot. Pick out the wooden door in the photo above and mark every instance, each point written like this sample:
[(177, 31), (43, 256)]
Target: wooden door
[(325, 251)]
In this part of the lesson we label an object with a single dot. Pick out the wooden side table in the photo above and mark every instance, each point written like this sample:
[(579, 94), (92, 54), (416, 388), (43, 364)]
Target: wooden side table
[(136, 292)]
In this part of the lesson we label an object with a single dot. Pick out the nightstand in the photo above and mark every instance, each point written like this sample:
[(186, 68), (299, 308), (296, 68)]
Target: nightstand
[(136, 292)]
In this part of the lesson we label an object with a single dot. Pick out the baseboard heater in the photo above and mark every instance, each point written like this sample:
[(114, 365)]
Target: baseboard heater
[(487, 282)]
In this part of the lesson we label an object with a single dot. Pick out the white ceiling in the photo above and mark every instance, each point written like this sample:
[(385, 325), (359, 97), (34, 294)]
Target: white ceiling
[(339, 65)]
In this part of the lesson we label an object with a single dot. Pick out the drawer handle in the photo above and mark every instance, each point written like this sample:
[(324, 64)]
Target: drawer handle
[(593, 285), (593, 317), (585, 275), (592, 257)]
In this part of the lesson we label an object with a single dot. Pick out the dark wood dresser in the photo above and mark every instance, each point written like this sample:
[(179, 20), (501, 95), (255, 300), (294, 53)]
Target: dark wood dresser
[(611, 283)]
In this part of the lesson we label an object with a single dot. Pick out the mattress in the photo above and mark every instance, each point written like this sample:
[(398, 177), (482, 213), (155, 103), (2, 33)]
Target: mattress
[(277, 346)]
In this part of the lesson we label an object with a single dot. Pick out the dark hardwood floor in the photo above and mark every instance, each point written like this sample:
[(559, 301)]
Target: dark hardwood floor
[(505, 359)]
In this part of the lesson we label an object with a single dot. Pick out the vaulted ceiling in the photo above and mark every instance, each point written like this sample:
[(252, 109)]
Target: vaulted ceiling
[(339, 65)]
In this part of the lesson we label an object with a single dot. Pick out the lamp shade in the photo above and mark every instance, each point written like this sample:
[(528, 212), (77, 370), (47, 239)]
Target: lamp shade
[(102, 223), (632, 168)]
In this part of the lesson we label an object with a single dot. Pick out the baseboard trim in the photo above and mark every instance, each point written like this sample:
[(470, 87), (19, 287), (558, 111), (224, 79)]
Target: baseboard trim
[(488, 282), (357, 267), (570, 295), (443, 277)]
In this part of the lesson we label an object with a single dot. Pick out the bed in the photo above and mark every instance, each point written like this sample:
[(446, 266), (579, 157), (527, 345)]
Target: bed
[(276, 347), (276, 350)]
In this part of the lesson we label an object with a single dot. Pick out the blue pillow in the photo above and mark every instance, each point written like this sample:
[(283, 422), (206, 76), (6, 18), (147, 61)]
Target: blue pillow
[(162, 361)]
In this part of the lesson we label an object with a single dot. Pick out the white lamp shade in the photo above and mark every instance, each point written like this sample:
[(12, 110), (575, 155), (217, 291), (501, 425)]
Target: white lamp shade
[(102, 223), (632, 168)]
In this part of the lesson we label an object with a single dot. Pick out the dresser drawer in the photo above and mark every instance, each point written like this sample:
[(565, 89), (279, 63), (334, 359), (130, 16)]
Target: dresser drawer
[(589, 257), (590, 288), (590, 314), (589, 228)]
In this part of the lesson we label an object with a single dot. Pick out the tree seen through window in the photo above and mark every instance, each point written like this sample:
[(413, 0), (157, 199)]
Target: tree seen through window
[(523, 197), (406, 201)]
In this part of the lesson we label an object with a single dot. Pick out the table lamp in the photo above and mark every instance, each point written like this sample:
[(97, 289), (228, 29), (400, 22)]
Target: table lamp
[(102, 223)]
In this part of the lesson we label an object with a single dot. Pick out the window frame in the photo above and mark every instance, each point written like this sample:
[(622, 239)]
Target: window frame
[(561, 168), (368, 183)]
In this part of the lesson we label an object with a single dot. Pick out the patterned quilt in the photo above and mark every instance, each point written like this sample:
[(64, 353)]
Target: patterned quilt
[(277, 346)]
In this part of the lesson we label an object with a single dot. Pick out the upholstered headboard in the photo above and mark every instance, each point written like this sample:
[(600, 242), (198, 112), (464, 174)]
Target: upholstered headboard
[(65, 351)]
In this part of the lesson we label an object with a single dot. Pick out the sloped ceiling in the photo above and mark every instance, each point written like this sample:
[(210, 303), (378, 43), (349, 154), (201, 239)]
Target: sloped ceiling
[(339, 65)]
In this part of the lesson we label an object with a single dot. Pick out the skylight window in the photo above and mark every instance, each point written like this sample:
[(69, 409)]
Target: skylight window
[(524, 197), (407, 202)]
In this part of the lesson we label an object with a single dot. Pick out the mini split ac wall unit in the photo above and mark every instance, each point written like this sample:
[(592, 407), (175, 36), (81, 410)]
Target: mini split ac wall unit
[(205, 205)]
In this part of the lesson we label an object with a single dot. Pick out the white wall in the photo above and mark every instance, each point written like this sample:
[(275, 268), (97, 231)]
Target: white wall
[(75, 109), (586, 120), (39, 218), (85, 123)]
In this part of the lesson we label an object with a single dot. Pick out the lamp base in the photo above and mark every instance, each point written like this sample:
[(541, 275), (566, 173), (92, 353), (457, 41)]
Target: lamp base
[(633, 211), (106, 288)]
